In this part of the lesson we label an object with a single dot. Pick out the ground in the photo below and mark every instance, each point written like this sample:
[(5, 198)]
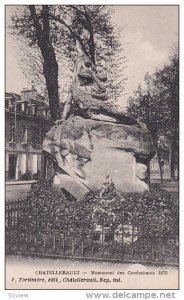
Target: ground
[(19, 189)]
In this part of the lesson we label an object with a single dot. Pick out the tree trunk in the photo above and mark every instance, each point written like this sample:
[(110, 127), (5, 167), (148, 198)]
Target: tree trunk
[(172, 159), (91, 42), (51, 77), (148, 179), (174, 150), (160, 166), (50, 65)]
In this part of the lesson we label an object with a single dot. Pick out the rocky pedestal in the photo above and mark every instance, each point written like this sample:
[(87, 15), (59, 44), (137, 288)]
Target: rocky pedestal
[(86, 151)]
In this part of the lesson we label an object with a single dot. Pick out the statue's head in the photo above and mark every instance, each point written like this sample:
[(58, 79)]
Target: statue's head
[(85, 76)]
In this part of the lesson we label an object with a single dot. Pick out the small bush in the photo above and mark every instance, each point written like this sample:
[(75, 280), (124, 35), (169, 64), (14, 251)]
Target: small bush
[(26, 176), (154, 208), (48, 208), (36, 176), (52, 209)]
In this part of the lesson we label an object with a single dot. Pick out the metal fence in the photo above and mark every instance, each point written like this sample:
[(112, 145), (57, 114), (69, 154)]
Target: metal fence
[(131, 242)]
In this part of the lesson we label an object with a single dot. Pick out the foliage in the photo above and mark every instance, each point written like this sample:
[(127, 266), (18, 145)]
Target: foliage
[(52, 209), (158, 107), (166, 82), (36, 176), (62, 25), (26, 176), (143, 106), (152, 208), (146, 106), (49, 208)]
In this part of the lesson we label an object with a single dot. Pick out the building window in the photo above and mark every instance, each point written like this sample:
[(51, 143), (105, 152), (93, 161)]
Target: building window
[(25, 135), (11, 133), (35, 136), (12, 167)]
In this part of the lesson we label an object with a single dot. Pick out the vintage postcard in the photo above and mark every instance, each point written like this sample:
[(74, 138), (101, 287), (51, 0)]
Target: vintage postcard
[(92, 147)]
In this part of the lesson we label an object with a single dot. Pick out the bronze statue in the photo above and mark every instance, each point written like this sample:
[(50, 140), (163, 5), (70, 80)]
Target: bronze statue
[(87, 95)]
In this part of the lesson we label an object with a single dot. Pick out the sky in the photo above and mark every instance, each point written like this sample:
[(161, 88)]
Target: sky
[(149, 34)]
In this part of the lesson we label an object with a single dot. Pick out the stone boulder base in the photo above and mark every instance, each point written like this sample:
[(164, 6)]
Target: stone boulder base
[(87, 152)]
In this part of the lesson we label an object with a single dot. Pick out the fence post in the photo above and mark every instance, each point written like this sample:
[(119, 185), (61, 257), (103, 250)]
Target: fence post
[(122, 244), (92, 245), (153, 249), (26, 239), (14, 214), (133, 240), (6, 215), (73, 245), (143, 236), (175, 250), (18, 240), (54, 243), (35, 244), (44, 243), (9, 240), (9, 217), (18, 210), (64, 243), (112, 244), (82, 250), (163, 249), (163, 242), (102, 237), (174, 247)]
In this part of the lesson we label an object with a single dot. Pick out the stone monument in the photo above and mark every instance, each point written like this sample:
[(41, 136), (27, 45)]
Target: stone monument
[(94, 140)]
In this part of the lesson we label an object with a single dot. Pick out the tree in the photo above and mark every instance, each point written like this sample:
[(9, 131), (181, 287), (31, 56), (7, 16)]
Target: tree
[(145, 105), (158, 106), (166, 80), (31, 63), (53, 30), (35, 26)]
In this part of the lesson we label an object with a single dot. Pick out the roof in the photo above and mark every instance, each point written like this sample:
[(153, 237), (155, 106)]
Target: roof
[(11, 95), (38, 102)]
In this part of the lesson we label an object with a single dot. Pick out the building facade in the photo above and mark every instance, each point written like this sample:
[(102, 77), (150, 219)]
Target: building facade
[(27, 119)]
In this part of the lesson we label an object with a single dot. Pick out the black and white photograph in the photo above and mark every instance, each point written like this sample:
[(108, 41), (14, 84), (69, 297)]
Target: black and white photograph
[(91, 147)]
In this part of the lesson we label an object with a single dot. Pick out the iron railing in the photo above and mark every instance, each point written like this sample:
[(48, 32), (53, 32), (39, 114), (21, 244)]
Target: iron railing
[(132, 242)]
